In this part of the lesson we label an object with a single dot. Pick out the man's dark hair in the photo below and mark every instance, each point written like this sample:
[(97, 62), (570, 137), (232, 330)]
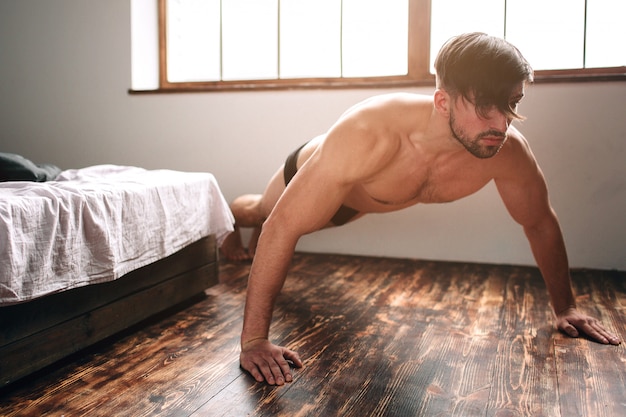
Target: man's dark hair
[(482, 69)]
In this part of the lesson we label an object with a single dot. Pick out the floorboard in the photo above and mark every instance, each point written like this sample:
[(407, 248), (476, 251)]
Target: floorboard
[(378, 336)]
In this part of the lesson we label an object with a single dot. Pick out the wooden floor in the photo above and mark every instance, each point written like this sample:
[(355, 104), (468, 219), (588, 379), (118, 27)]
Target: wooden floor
[(379, 337)]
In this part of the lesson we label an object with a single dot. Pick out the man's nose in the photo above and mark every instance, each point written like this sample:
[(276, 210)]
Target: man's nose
[(499, 121)]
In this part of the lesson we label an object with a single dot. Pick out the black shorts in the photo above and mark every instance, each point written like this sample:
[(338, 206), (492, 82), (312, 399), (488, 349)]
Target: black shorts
[(343, 215)]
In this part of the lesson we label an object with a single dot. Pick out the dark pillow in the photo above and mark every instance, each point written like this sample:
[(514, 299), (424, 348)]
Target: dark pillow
[(17, 168)]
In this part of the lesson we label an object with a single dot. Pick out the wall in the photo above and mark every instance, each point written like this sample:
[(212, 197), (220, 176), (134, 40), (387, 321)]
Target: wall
[(65, 69)]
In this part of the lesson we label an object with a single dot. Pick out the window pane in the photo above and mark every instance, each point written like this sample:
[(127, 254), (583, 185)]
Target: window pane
[(375, 37), (250, 39), (310, 31), (549, 33), (193, 40), (606, 33), (453, 17)]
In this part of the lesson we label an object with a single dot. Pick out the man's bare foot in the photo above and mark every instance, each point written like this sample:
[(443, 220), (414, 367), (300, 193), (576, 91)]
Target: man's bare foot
[(254, 239), (232, 248), (248, 213)]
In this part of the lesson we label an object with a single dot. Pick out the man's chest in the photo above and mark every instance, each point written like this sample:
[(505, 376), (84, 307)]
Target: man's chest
[(434, 183)]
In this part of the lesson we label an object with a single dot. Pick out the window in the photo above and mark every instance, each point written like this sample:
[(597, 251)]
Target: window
[(551, 34), (263, 44), (274, 43)]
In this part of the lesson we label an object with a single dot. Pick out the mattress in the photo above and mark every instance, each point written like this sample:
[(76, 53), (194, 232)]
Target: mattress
[(96, 224)]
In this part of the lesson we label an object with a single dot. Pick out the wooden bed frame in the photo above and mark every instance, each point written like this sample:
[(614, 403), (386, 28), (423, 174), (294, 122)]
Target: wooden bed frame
[(38, 333)]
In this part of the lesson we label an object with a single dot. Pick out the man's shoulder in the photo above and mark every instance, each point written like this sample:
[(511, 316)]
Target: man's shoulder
[(516, 156), (401, 98), (516, 144), (389, 100), (388, 114)]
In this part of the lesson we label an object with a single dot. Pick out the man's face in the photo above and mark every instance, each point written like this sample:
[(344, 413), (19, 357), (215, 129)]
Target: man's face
[(483, 137)]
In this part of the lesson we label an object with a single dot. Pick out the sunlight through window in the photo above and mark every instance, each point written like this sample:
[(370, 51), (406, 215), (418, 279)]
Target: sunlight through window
[(193, 47), (549, 33), (321, 43), (606, 33), (375, 37), (309, 34), (243, 39), (250, 39), (450, 17)]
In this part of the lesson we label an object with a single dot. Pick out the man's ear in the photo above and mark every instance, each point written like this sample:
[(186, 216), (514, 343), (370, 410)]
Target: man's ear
[(442, 102)]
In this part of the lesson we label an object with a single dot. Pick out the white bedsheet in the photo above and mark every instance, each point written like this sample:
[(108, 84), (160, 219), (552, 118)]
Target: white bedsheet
[(96, 224)]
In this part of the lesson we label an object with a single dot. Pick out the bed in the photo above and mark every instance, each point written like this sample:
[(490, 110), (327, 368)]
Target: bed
[(98, 250)]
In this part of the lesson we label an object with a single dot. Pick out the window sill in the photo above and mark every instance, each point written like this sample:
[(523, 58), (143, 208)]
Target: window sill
[(541, 77), (581, 75)]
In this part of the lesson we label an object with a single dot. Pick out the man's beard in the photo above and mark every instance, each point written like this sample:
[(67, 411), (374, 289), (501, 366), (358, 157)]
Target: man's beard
[(474, 146)]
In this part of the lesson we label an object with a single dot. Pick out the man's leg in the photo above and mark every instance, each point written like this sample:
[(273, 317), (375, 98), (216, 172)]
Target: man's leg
[(247, 214), (251, 210)]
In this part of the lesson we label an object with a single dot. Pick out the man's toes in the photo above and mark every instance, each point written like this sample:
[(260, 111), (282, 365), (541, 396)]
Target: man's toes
[(242, 256), (238, 255)]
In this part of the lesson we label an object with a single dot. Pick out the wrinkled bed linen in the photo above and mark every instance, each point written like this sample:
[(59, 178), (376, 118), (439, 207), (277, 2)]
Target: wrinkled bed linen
[(96, 224)]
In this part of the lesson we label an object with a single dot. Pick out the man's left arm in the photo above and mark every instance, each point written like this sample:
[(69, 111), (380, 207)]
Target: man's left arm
[(546, 242), (523, 190)]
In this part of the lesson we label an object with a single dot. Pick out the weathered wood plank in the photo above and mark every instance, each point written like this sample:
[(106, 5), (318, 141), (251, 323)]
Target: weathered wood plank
[(524, 382), (379, 337), (157, 369), (592, 381)]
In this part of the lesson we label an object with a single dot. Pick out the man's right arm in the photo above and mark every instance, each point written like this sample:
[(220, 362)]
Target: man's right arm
[(351, 152), (306, 205), (303, 208), (262, 359)]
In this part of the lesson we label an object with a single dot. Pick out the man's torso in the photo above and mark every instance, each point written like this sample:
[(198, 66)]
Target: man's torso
[(417, 173)]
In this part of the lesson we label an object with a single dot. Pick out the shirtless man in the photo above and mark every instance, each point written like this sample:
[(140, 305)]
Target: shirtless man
[(394, 151)]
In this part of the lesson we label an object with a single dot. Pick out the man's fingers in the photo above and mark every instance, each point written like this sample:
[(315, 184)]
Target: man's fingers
[(267, 362), (602, 335), (569, 330), (282, 372), (286, 366), (573, 325), (251, 367), (613, 339), (256, 374), (272, 374), (610, 337), (293, 357), (261, 373), (592, 330)]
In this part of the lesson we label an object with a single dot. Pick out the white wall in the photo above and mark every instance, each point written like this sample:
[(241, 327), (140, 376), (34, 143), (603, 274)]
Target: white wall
[(65, 71)]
